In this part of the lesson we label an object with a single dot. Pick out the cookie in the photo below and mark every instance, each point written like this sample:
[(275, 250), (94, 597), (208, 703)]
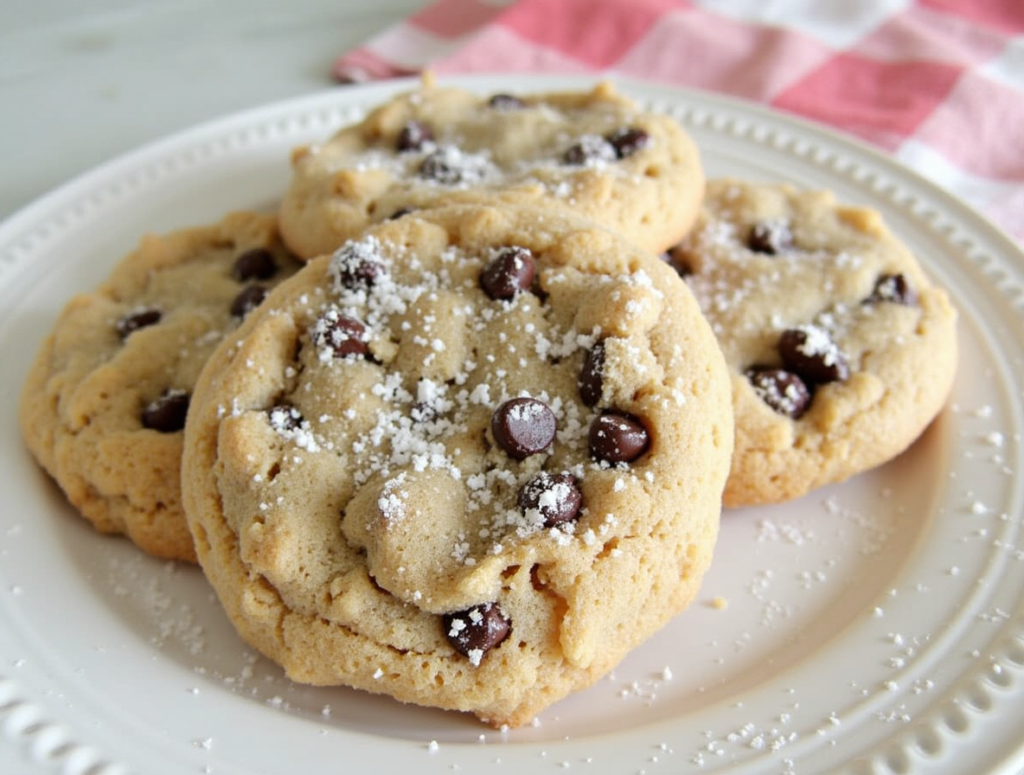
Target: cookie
[(104, 402), (592, 152), (841, 349), (468, 461)]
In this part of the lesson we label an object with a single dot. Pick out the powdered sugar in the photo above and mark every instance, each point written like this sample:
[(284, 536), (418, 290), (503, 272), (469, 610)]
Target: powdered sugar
[(595, 152), (449, 165), (412, 429), (393, 500), (818, 344), (290, 425)]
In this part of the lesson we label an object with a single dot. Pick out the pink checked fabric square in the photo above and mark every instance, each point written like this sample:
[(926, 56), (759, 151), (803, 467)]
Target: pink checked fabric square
[(882, 102), (454, 18), (1006, 16), (970, 128), (923, 34), (746, 60), (579, 29)]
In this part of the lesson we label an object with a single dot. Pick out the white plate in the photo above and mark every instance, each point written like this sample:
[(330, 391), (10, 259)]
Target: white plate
[(871, 627)]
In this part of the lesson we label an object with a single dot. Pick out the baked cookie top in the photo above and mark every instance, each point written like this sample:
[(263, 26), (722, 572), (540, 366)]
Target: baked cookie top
[(468, 460), (592, 152), (841, 349), (104, 402)]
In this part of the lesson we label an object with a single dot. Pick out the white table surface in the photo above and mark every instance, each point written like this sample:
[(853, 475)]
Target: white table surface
[(84, 82)]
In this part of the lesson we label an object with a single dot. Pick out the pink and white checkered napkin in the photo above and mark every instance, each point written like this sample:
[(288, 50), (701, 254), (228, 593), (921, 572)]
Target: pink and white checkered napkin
[(939, 84)]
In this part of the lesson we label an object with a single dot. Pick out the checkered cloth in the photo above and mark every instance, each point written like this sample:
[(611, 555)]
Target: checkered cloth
[(939, 84)]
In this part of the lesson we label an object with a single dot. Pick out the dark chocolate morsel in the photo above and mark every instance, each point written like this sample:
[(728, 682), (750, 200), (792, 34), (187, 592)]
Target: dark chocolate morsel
[(505, 102), (628, 140), (413, 136), (770, 238), (284, 417), (443, 166), (810, 352), (344, 335), (477, 630), (355, 267), (589, 148), (510, 272), (678, 259), (140, 319), (167, 413), (422, 412), (782, 390), (894, 288), (591, 379), (248, 300), (556, 496), (617, 437), (523, 427), (254, 264), (575, 156), (401, 211)]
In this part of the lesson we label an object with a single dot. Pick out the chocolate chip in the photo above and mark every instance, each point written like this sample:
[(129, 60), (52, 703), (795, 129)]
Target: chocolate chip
[(677, 259), (421, 411), (810, 352), (682, 267), (576, 155), (510, 272), (248, 300), (591, 379), (628, 141), (589, 148), (341, 334), (284, 417), (617, 437), (167, 413), (413, 136), (782, 390), (893, 288), (400, 212), (142, 318), (505, 102), (439, 167), (356, 266), (556, 496), (770, 237), (255, 264), (523, 427), (477, 630)]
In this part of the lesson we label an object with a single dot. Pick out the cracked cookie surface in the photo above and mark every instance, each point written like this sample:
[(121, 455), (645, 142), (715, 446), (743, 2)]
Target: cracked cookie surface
[(105, 400), (595, 153), (469, 460), (841, 349)]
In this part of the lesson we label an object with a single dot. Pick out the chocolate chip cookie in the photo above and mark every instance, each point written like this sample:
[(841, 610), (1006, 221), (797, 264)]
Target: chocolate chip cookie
[(841, 349), (469, 460), (592, 152), (105, 401)]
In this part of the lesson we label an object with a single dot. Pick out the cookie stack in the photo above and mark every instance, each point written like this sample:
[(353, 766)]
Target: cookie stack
[(457, 425)]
